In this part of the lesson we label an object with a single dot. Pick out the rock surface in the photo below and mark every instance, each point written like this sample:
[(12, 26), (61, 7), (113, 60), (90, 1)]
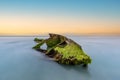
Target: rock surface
[(63, 50)]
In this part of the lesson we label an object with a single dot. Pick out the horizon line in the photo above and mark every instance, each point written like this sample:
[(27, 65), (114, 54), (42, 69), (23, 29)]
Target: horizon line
[(69, 34)]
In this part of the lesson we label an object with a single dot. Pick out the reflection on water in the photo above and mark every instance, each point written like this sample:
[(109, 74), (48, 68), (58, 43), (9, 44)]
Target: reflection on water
[(82, 71), (18, 61)]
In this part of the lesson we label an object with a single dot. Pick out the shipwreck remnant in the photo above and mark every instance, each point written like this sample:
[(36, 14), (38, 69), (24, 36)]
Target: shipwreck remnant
[(63, 50)]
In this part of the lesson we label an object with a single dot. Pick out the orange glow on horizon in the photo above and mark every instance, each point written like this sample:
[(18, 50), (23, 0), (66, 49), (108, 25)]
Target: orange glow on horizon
[(17, 25)]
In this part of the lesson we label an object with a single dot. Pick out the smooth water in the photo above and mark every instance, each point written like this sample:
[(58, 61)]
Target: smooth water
[(18, 61)]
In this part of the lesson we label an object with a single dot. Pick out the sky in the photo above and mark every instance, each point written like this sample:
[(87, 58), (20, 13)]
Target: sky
[(33, 17)]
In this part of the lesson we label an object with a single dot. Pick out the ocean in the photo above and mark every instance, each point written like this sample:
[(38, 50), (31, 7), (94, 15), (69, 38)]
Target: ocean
[(18, 61)]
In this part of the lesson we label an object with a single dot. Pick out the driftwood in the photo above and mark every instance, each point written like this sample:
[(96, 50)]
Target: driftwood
[(63, 50)]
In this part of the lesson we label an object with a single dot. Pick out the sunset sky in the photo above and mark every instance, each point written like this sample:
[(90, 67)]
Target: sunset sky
[(32, 17)]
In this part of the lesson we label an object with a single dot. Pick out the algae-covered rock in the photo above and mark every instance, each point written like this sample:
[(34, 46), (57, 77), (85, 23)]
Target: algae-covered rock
[(63, 50)]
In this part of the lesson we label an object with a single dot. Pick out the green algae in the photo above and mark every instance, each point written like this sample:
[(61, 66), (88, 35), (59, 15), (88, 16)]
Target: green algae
[(63, 50), (72, 50)]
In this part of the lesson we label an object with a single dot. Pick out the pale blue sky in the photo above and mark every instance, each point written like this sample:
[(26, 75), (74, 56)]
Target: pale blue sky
[(76, 10), (108, 8)]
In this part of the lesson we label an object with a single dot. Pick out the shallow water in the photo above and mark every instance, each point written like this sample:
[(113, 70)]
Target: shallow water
[(18, 61)]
